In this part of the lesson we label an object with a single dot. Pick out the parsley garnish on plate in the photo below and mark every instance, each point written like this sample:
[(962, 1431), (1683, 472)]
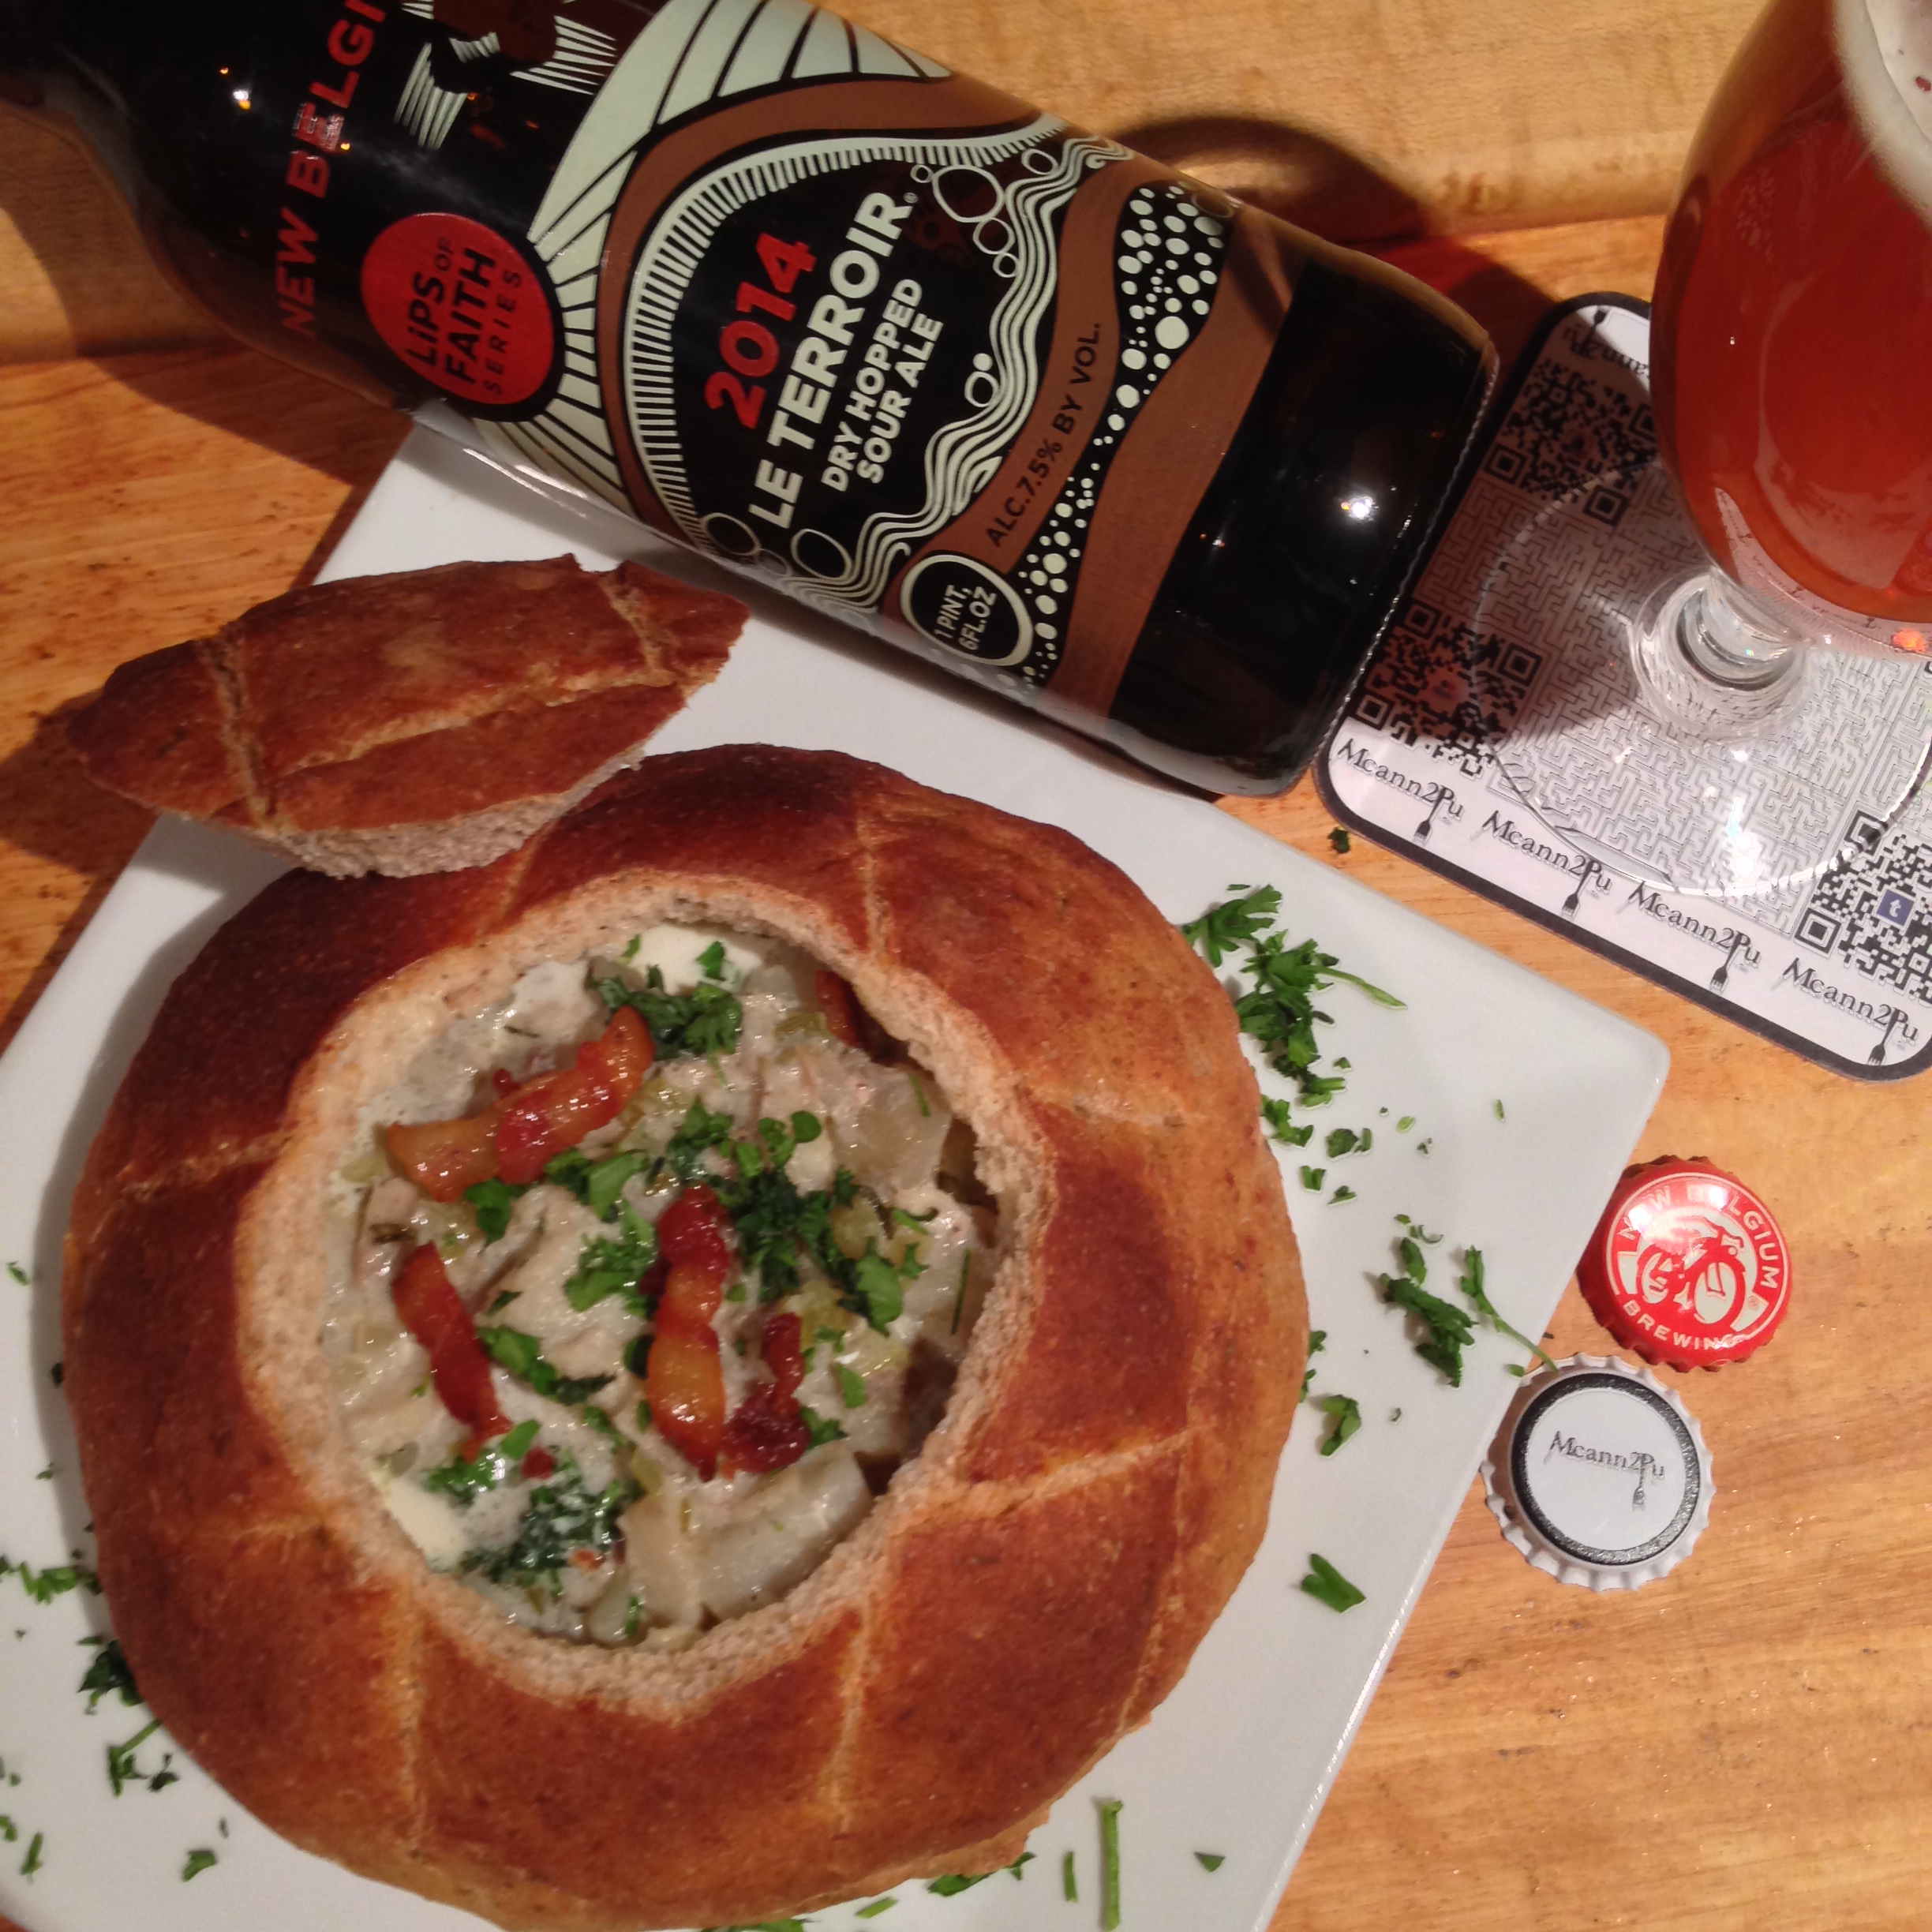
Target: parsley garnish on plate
[(1210, 1861), (44, 1586), (108, 1674), (1339, 838), (1274, 1113), (1471, 1283), (1446, 1330), (1346, 1412), (33, 1861), (122, 1770), (1069, 1885), (878, 1905), (18, 1273), (198, 1861), (1326, 1583), (463, 1480), (1318, 1340), (1110, 1864), (616, 1264)]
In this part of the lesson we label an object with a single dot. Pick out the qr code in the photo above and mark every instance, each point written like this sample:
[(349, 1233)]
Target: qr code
[(1874, 910), (1571, 430), (1443, 685)]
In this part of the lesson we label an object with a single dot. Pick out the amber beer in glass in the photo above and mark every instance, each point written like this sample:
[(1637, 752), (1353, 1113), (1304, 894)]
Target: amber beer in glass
[(1791, 330)]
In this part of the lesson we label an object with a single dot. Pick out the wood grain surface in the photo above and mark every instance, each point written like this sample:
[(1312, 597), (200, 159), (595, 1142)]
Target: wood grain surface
[(1749, 1740)]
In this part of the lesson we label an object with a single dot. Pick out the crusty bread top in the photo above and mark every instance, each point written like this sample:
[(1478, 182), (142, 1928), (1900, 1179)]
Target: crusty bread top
[(410, 722), (1031, 1585)]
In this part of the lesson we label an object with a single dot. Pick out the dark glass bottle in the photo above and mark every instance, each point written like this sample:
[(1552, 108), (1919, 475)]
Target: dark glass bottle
[(996, 390)]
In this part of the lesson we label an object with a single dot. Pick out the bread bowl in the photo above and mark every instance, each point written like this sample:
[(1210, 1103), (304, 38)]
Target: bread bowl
[(1029, 1585)]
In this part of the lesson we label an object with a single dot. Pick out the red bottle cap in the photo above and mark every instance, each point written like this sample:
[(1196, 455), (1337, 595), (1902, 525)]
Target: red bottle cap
[(1687, 1265)]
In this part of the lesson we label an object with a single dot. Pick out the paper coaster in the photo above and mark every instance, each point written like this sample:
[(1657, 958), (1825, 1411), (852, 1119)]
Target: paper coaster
[(1498, 680)]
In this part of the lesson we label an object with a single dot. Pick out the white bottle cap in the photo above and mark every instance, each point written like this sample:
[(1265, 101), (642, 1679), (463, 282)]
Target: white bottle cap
[(1599, 1475)]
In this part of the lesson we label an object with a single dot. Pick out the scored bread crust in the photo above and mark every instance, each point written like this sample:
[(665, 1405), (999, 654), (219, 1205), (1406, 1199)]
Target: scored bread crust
[(1031, 1586), (415, 722)]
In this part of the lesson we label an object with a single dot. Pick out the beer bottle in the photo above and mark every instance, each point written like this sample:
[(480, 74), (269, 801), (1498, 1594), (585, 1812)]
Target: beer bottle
[(995, 389)]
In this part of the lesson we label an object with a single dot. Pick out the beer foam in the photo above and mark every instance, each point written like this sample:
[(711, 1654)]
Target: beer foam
[(1885, 49)]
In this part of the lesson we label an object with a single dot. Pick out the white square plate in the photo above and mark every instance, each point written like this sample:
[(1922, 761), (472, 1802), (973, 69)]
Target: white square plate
[(1237, 1763)]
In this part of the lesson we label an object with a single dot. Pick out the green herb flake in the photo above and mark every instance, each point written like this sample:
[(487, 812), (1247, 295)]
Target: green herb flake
[(1210, 1861), (1236, 921), (1110, 1864), (1445, 1329), (1498, 1106), (1327, 1583), (1013, 1870), (918, 1094), (1274, 1113), (1339, 838), (1340, 1195), (1471, 1283), (19, 1274), (122, 1770), (1312, 1178), (630, 951), (491, 1202), (1069, 1885), (852, 1386), (45, 1475), (462, 1480), (615, 1264), (43, 1585), (521, 1356), (1422, 1147), (819, 1429), (564, 1514), (1406, 1121), (108, 1674), (33, 1861), (683, 1025), (711, 960), (1342, 1140), (198, 1861), (878, 1905), (1317, 1341), (949, 1884), (1346, 1412)]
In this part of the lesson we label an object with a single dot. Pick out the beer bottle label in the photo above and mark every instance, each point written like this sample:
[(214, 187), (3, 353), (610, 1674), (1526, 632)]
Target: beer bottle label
[(913, 351)]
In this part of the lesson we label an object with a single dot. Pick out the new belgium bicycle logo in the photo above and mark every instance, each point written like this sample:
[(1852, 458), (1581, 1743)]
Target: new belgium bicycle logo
[(1711, 1268)]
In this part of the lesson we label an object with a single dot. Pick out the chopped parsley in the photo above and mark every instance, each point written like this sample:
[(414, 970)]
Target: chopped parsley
[(522, 1355), (1340, 1195), (1326, 1583), (852, 1386), (1446, 1330), (463, 1481), (595, 1183), (949, 1884), (19, 1274), (564, 1514), (1069, 1887), (44, 1586), (1312, 1178), (1406, 1121), (1211, 1861), (198, 1861), (1346, 1414), (1498, 1106), (1346, 1140), (705, 1020), (1318, 1340), (1471, 1283), (1275, 1114), (122, 1770), (1110, 1864), (711, 960), (819, 1429), (699, 1130), (616, 1264), (9, 1830), (1339, 838), (630, 951), (33, 1861), (108, 1674), (878, 1905), (491, 1202), (1278, 1012)]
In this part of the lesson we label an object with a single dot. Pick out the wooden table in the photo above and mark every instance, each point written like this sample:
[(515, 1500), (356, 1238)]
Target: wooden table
[(1752, 1736)]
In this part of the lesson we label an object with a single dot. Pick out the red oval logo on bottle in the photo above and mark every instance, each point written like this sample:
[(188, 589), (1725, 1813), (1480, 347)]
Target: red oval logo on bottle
[(462, 306)]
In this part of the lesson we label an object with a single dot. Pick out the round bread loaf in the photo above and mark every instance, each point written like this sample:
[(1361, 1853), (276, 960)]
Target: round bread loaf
[(1031, 1583)]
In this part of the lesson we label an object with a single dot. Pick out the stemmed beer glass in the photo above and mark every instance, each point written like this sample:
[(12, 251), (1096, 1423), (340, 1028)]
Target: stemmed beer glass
[(1790, 344)]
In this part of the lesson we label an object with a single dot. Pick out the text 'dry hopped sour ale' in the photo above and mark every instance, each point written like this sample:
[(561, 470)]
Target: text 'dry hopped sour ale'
[(919, 354)]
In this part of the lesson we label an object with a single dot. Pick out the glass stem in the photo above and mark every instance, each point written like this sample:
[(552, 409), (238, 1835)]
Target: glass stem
[(1735, 638)]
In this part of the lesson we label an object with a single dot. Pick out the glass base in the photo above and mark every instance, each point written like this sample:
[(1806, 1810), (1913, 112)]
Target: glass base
[(1656, 738)]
